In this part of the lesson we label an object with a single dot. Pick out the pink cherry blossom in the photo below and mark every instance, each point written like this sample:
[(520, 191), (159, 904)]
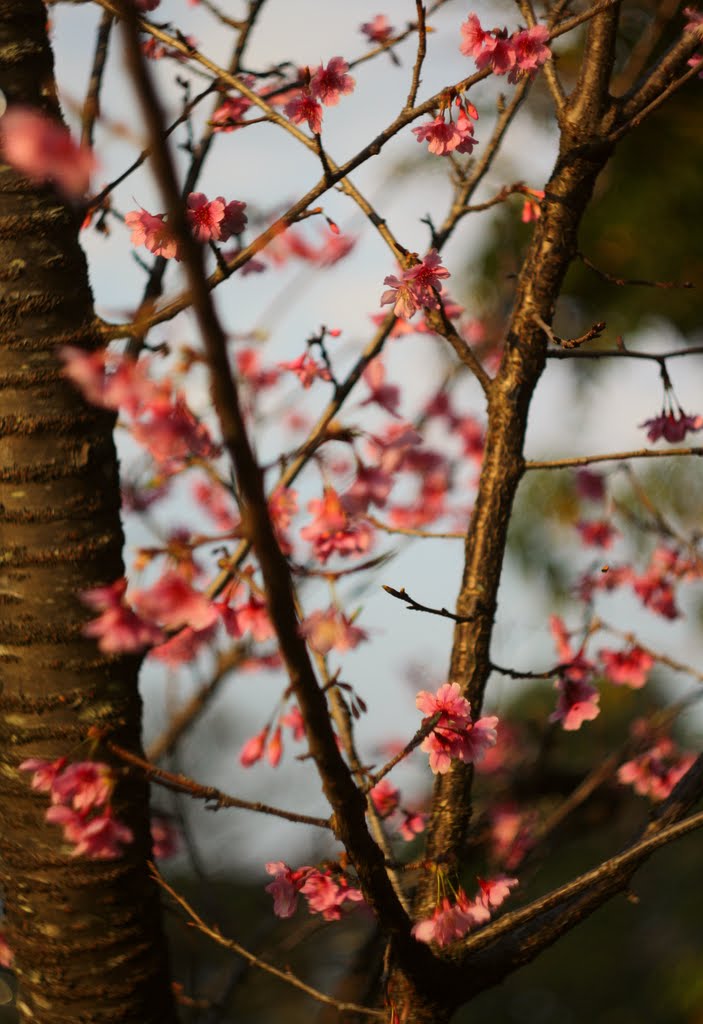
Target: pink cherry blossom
[(174, 603), (325, 895), (99, 838), (378, 30), (531, 51), (306, 369), (454, 736), (329, 84), (44, 772), (441, 136), (331, 630), (285, 887), (83, 785), (42, 149), (333, 530), (150, 230), (6, 954), (230, 114), (412, 825), (371, 487), (494, 891), (597, 532), (249, 368), (416, 286), (183, 647), (626, 668), (118, 629), (204, 216), (304, 107), (385, 797), (577, 703), (497, 54), (473, 37), (656, 772), (173, 435), (253, 617)]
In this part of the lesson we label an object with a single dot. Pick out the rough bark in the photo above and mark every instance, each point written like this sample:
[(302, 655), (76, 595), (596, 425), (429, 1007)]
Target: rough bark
[(86, 934)]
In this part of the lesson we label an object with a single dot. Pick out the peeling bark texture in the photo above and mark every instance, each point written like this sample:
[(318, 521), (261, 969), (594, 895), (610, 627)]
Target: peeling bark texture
[(86, 934)]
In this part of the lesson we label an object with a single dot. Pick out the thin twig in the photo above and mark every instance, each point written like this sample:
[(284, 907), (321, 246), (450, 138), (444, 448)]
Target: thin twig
[(290, 979), (585, 460), (415, 606), (213, 796)]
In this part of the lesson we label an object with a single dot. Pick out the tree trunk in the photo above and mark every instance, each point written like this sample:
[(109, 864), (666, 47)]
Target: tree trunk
[(86, 934)]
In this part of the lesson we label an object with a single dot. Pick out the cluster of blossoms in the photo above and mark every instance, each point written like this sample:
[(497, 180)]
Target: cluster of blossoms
[(386, 801), (654, 587), (517, 55), (42, 149), (213, 220), (655, 772), (80, 803), (578, 700), (161, 419), (325, 891), (452, 920), (672, 425), (326, 87), (417, 287), (455, 735), (443, 137)]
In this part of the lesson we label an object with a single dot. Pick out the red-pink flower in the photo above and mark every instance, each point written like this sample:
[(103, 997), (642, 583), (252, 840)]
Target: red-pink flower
[(577, 703), (100, 837), (174, 603), (385, 797), (497, 54), (325, 895), (626, 668), (253, 617), (42, 149), (473, 37), (378, 30), (285, 887), (204, 216), (83, 785), (306, 369), (172, 434), (333, 530), (441, 136), (590, 485), (150, 230), (44, 772), (454, 735), (118, 629), (597, 532), (304, 107), (416, 286), (331, 630), (656, 772), (230, 114), (329, 84), (494, 891), (531, 51)]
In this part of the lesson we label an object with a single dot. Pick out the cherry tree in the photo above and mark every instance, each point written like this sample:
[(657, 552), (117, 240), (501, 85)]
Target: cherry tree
[(265, 580)]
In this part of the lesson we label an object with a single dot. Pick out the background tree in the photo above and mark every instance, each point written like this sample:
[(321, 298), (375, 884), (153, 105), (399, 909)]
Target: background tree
[(82, 920)]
